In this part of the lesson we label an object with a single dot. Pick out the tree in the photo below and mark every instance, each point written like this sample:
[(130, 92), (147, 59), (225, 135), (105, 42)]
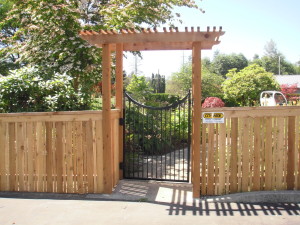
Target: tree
[(181, 82), (139, 88), (274, 61), (158, 83), (243, 88), (8, 61), (49, 30), (222, 63)]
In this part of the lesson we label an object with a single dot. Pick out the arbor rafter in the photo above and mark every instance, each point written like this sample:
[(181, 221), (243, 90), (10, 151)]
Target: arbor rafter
[(152, 39)]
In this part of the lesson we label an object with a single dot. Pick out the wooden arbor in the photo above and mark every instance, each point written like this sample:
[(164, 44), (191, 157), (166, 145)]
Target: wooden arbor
[(151, 39)]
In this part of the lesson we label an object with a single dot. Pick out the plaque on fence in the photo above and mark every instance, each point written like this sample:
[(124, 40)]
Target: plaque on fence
[(213, 117)]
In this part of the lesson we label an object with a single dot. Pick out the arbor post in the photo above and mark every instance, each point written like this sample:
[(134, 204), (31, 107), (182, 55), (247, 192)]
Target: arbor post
[(119, 98), (106, 120), (196, 117)]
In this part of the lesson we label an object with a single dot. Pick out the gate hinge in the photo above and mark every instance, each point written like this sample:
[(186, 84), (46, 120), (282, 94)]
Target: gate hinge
[(121, 121), (121, 165)]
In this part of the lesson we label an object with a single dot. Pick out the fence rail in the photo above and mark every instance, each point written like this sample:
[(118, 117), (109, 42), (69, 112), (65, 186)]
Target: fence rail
[(55, 152), (257, 148)]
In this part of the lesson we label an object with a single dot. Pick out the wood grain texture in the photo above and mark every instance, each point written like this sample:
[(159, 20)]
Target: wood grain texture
[(196, 117)]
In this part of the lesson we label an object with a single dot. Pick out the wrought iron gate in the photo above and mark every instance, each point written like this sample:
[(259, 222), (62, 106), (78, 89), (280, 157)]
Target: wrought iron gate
[(157, 140)]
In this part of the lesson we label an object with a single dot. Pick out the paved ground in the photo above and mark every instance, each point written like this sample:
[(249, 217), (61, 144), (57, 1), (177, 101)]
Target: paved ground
[(136, 202), (45, 211)]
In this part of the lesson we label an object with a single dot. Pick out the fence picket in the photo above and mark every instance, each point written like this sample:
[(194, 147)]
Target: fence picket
[(12, 157), (30, 133), (245, 155), (49, 156), (69, 157), (79, 157), (291, 153), (256, 155), (268, 154), (234, 156), (210, 162), (3, 175), (203, 161), (89, 156), (222, 160), (21, 155), (280, 154), (99, 156)]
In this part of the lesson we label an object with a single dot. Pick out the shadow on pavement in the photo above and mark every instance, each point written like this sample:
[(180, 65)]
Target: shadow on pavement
[(204, 208)]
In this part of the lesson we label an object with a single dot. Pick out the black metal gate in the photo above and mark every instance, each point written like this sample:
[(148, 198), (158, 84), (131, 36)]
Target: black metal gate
[(157, 140)]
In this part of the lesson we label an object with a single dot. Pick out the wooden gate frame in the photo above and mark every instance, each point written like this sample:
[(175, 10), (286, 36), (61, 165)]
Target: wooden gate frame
[(143, 40)]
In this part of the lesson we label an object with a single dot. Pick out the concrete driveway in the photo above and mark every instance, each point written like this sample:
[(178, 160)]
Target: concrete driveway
[(136, 202)]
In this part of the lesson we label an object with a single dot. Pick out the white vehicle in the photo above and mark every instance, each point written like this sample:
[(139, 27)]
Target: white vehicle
[(272, 98)]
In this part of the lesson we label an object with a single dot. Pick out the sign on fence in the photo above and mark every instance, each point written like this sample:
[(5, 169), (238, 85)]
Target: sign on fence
[(213, 117)]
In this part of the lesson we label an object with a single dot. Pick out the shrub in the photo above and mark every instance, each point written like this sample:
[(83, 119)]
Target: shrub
[(25, 90), (212, 102), (244, 87), (288, 90), (161, 99)]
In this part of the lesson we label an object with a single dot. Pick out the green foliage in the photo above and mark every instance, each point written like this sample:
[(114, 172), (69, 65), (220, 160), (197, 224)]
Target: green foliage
[(153, 132), (8, 61), (44, 33), (161, 99), (49, 29), (181, 82), (128, 13), (139, 88), (158, 83), (211, 84), (25, 90), (222, 63), (271, 59), (243, 88)]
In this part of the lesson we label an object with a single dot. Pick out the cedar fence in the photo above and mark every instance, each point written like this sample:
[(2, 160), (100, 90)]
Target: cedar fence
[(56, 152), (255, 149)]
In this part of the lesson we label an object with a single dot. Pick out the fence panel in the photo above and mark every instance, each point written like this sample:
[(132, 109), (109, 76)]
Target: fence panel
[(55, 152), (255, 149)]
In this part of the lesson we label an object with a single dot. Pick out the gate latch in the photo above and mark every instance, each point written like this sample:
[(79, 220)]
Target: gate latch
[(121, 121)]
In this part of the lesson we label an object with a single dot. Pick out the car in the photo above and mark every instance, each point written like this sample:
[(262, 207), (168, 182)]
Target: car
[(272, 98)]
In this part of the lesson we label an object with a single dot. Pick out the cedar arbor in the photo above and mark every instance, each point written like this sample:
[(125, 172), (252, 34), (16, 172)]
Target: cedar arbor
[(146, 40)]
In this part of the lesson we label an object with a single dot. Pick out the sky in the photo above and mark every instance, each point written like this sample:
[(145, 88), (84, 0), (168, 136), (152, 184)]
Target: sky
[(248, 26)]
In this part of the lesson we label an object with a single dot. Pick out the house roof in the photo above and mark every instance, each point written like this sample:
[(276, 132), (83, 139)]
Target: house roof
[(152, 39), (288, 79)]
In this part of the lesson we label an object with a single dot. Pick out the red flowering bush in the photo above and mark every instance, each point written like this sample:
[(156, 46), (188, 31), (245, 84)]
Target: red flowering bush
[(212, 102), (288, 89)]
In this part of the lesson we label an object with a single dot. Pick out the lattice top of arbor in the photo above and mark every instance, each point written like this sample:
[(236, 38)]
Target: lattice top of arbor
[(152, 39)]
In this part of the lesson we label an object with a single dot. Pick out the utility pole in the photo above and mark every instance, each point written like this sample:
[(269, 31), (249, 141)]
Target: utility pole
[(278, 65), (135, 64)]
